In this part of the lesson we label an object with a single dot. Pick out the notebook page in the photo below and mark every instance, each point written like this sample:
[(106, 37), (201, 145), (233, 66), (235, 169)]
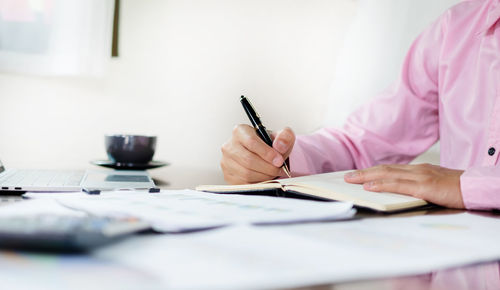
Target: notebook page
[(333, 185)]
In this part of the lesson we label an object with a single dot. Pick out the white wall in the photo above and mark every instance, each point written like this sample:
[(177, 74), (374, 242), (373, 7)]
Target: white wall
[(183, 66)]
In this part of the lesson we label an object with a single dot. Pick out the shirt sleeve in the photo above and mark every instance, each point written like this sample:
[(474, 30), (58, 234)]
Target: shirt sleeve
[(395, 127), (481, 188)]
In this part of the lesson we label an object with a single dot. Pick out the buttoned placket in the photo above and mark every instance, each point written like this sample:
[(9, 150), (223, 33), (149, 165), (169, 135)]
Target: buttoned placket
[(492, 149)]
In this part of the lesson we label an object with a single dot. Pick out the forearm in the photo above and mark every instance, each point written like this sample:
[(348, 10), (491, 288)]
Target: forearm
[(319, 152), (352, 148)]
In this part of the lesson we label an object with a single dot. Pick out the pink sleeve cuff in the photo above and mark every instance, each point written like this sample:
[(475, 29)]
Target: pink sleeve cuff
[(481, 188), (298, 161), (319, 152)]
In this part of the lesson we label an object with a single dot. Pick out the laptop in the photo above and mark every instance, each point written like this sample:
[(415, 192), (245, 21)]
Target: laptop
[(40, 180)]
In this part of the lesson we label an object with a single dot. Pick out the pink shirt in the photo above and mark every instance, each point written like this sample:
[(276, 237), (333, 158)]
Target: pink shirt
[(483, 276), (448, 89)]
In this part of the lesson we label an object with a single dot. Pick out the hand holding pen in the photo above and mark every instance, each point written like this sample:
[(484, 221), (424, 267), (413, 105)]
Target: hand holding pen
[(247, 158), (259, 127)]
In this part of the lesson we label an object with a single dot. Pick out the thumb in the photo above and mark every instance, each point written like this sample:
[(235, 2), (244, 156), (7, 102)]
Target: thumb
[(283, 141)]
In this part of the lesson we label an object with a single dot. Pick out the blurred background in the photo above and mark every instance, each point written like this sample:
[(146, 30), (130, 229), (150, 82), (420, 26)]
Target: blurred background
[(181, 66)]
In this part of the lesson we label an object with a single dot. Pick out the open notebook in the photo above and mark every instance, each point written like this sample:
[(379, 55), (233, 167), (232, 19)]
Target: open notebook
[(329, 186)]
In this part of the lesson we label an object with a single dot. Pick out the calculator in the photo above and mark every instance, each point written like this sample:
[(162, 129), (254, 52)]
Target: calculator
[(63, 233)]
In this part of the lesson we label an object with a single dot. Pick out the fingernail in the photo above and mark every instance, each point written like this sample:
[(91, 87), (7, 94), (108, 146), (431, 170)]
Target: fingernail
[(352, 175), (278, 161), (281, 146)]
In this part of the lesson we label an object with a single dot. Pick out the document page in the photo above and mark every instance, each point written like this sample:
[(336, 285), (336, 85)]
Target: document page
[(245, 257), (184, 210)]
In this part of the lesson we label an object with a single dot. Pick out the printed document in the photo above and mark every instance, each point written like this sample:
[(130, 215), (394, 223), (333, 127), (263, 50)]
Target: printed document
[(243, 257), (185, 210)]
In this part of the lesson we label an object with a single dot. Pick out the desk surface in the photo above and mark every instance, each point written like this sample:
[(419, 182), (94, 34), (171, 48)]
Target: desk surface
[(484, 275)]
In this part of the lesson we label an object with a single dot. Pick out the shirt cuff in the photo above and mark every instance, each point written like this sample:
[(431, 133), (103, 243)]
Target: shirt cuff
[(320, 152), (298, 161), (481, 188)]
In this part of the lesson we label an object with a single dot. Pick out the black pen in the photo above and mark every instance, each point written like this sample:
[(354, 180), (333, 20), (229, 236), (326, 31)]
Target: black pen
[(259, 127)]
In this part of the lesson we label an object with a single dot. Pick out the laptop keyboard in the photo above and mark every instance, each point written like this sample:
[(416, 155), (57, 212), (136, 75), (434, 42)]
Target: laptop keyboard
[(41, 178)]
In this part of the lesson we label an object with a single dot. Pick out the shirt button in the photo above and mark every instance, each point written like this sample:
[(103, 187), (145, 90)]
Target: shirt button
[(491, 151)]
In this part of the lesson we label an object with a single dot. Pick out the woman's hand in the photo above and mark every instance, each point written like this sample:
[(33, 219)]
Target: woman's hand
[(432, 183), (248, 159)]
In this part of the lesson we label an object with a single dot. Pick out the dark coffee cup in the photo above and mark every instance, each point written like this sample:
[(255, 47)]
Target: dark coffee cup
[(130, 148)]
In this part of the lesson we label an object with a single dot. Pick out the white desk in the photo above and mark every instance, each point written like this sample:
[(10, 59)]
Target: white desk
[(157, 261)]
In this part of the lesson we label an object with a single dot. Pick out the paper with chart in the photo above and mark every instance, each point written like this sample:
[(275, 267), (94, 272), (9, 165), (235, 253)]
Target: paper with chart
[(181, 210)]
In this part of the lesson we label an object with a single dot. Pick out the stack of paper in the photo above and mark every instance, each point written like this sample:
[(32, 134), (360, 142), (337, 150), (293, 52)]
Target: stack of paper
[(176, 211), (314, 254)]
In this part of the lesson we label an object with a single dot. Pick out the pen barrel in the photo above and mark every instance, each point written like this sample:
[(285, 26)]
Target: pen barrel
[(262, 132)]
